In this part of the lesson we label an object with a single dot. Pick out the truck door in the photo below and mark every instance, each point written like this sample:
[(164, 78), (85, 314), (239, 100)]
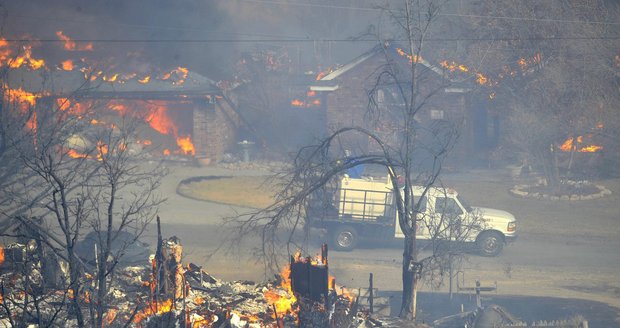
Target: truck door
[(446, 218)]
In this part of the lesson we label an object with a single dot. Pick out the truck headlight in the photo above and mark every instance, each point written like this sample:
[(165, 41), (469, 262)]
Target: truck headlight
[(512, 226)]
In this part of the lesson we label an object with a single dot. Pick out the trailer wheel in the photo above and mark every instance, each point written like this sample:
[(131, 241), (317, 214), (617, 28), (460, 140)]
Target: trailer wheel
[(490, 243), (345, 238)]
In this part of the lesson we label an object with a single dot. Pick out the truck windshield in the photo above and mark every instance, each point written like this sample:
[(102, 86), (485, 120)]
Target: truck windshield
[(464, 203)]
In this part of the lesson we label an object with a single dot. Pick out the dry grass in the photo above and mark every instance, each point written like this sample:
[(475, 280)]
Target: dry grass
[(248, 191)]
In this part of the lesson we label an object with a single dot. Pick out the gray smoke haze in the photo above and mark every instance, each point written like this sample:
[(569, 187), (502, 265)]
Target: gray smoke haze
[(232, 23)]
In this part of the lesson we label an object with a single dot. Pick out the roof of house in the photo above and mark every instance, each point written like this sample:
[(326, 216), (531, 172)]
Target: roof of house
[(59, 83), (392, 50)]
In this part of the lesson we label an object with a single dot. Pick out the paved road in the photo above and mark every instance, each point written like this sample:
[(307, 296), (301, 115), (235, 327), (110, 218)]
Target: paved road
[(534, 265)]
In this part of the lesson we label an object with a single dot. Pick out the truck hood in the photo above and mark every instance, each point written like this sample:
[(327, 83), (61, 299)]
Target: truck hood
[(494, 214)]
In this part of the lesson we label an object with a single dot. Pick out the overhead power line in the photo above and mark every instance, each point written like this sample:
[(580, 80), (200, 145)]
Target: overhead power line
[(305, 40), (530, 19)]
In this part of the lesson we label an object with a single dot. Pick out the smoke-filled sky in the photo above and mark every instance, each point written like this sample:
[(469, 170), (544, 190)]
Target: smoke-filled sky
[(230, 24)]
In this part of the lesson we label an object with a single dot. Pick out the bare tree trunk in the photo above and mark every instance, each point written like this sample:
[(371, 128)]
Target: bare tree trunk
[(409, 297)]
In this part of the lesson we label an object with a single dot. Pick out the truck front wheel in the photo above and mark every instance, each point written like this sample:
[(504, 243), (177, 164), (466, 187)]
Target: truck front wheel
[(490, 243), (345, 238)]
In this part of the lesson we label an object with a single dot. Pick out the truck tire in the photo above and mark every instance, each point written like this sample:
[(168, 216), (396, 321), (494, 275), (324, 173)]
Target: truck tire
[(344, 238), (490, 243)]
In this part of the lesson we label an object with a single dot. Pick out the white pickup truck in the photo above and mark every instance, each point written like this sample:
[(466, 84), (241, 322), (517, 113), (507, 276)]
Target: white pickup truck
[(363, 209)]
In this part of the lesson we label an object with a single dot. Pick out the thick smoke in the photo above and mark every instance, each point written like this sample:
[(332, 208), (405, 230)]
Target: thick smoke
[(230, 25)]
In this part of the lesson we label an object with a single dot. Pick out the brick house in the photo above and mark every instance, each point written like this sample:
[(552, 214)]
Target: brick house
[(200, 109), (345, 93)]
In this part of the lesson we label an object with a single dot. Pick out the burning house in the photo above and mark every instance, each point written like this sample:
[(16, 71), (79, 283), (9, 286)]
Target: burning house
[(184, 113), (345, 92)]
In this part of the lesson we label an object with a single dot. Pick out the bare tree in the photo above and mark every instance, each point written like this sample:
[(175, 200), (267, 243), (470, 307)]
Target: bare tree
[(552, 79), (76, 175), (317, 167), (121, 198)]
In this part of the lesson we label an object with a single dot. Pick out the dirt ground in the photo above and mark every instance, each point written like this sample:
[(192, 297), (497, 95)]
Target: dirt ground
[(566, 249)]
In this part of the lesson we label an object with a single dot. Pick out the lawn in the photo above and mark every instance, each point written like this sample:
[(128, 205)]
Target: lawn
[(597, 217), (247, 191)]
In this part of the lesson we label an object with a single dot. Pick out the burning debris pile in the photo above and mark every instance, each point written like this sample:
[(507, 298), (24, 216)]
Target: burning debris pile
[(168, 293)]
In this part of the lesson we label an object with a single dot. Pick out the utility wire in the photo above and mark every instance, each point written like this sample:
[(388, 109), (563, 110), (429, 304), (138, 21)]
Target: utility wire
[(547, 20), (303, 40), (299, 4)]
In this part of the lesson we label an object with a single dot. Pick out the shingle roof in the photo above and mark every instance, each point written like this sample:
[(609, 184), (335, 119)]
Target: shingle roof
[(328, 83), (58, 83)]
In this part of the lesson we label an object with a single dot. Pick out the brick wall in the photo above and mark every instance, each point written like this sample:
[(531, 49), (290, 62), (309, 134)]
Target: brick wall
[(348, 106), (214, 129)]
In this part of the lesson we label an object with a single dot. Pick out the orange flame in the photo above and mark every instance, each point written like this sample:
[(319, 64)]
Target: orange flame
[(16, 59), (282, 298), (411, 58), (452, 66), (67, 65), (76, 108), (153, 308), (5, 51), (297, 103), (179, 73), (109, 317), (74, 154), (144, 80), (186, 145), (481, 79), (26, 59), (111, 78), (201, 323), (22, 96), (570, 145), (72, 45), (158, 119), (118, 107), (1, 257)]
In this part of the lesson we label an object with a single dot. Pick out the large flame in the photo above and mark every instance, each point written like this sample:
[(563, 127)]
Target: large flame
[(159, 120), (156, 115), (22, 58), (153, 113), (282, 298), (1, 255)]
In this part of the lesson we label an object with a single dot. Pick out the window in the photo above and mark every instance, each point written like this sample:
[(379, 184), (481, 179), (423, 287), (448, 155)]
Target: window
[(437, 114), (447, 206)]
